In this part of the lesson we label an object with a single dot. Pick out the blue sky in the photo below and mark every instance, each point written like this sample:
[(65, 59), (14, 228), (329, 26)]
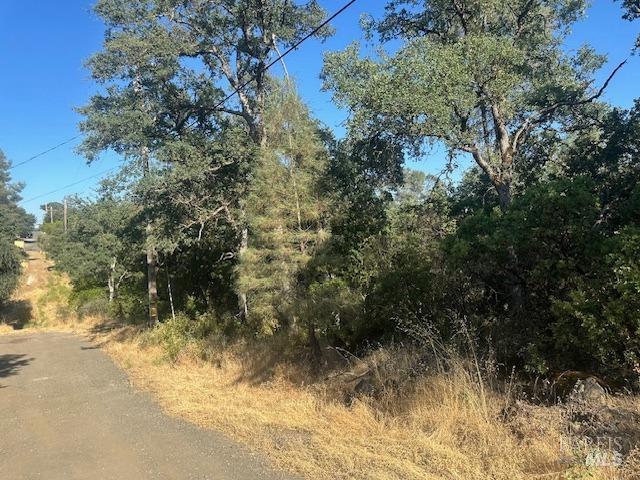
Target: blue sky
[(44, 44)]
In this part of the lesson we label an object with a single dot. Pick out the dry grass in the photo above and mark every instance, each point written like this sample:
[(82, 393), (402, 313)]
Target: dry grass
[(436, 427), (35, 304), (442, 429), (40, 302)]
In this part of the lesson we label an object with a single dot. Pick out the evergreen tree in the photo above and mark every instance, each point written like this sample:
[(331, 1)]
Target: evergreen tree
[(286, 210)]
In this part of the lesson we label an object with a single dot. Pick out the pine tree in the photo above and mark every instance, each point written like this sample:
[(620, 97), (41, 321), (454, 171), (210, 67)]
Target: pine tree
[(286, 210)]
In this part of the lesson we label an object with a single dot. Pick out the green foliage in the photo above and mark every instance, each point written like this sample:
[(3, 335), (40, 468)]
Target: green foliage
[(14, 220), (176, 334), (130, 306), (286, 212), (632, 12), (154, 92), (90, 303), (544, 240), (173, 336), (568, 250), (534, 250), (599, 317), (407, 278), (9, 269), (476, 76), (197, 189), (14, 223), (102, 247)]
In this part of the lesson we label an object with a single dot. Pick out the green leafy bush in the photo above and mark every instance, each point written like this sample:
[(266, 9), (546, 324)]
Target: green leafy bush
[(600, 317), (9, 270), (90, 302), (559, 290), (177, 333)]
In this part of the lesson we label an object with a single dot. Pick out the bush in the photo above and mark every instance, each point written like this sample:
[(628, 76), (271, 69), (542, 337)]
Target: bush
[(599, 318), (90, 302), (9, 270), (558, 290), (175, 335), (97, 307), (130, 307)]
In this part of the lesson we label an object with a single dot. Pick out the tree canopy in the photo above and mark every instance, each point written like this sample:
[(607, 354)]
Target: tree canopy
[(15, 222), (478, 76), (242, 216)]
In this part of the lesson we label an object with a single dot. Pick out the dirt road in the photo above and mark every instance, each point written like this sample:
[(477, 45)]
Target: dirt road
[(67, 412)]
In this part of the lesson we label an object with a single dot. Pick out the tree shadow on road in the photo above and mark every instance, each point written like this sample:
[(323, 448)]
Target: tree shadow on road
[(11, 363), (111, 330), (16, 313)]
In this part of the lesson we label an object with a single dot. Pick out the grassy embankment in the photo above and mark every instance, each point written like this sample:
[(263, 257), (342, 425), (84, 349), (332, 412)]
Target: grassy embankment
[(448, 424)]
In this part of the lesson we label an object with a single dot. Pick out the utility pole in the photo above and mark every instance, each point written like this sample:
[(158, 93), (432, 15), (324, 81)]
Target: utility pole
[(51, 213), (66, 224)]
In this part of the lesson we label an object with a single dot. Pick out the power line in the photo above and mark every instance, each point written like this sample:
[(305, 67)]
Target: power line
[(228, 97), (30, 159), (287, 52), (221, 103), (68, 186)]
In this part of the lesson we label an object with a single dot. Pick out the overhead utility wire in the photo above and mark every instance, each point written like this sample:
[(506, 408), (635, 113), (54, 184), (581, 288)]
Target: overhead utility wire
[(30, 159), (68, 186), (287, 52), (228, 97)]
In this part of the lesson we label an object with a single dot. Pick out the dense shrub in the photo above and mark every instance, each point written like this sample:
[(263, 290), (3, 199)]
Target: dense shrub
[(79, 297), (557, 291), (9, 269), (177, 333), (599, 320)]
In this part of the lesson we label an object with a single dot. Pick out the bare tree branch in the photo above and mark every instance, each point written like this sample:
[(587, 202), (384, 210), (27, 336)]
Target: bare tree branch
[(544, 113)]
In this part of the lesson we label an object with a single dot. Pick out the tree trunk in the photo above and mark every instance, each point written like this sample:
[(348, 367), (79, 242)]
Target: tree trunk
[(112, 288), (152, 263), (504, 195), (507, 152), (152, 275), (257, 129), (244, 245), (112, 280), (173, 310), (314, 344)]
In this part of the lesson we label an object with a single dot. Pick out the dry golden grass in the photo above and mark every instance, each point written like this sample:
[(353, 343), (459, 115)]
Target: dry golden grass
[(40, 301), (28, 306), (441, 430), (443, 427)]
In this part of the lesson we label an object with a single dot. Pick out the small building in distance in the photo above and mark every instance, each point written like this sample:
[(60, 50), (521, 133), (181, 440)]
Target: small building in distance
[(27, 243)]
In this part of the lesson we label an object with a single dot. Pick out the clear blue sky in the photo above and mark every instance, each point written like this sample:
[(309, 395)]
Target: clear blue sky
[(43, 46)]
